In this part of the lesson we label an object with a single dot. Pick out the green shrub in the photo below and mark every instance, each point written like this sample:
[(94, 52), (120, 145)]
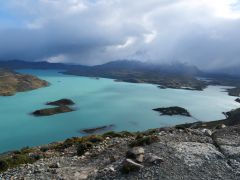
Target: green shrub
[(3, 165), (19, 159), (15, 160), (26, 150), (143, 140), (83, 147), (126, 134), (44, 148), (112, 134), (94, 138)]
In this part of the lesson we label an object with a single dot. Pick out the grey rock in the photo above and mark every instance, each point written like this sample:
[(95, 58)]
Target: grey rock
[(152, 158), (131, 162), (137, 150), (54, 165), (207, 132), (140, 158)]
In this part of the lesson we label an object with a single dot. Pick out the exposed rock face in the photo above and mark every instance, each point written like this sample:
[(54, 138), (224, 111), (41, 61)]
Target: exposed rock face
[(237, 100), (234, 91), (61, 102), (12, 82), (195, 154), (175, 110), (52, 111), (97, 129), (228, 141), (137, 154), (152, 158), (178, 154)]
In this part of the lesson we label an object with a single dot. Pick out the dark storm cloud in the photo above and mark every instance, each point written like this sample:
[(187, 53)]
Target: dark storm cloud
[(92, 32)]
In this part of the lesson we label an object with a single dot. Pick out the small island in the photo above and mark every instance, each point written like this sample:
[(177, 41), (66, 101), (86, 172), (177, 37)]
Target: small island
[(62, 107), (97, 129), (12, 82), (175, 110), (61, 102), (52, 111)]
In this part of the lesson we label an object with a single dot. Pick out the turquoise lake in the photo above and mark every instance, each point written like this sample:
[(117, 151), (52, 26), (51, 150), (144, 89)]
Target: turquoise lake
[(100, 102)]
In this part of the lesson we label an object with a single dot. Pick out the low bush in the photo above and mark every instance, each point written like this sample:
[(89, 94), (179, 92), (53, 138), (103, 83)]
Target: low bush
[(83, 147), (143, 140), (3, 165)]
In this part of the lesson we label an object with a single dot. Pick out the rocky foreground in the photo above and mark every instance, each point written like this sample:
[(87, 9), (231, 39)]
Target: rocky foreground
[(188, 151), (12, 82)]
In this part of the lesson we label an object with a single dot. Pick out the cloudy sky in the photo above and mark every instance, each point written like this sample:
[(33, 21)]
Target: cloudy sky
[(200, 32)]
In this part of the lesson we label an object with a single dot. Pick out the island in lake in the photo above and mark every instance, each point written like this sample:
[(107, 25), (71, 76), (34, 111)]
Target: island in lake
[(196, 151), (62, 107), (175, 110), (12, 82), (61, 102), (52, 111), (97, 129)]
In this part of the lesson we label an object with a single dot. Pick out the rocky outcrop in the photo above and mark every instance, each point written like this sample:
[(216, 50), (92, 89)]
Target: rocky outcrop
[(175, 110), (177, 154), (52, 111), (61, 102), (97, 129), (12, 82), (237, 100), (234, 91)]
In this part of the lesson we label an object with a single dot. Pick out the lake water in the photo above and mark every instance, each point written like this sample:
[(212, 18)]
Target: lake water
[(100, 102)]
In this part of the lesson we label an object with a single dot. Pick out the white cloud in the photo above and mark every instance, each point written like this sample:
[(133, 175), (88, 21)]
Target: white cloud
[(95, 31)]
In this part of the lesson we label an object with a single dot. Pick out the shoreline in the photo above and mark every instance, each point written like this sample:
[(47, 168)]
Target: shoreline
[(194, 147)]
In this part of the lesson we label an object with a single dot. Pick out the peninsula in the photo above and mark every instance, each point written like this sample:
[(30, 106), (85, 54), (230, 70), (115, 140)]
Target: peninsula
[(12, 82)]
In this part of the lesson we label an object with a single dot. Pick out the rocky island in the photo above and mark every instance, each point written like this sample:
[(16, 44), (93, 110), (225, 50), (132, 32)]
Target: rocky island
[(61, 102), (97, 129), (52, 111), (175, 110), (203, 150), (62, 107), (12, 82)]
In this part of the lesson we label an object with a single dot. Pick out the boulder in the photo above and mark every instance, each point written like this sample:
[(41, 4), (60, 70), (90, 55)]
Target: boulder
[(136, 153), (152, 158), (207, 132), (137, 150), (54, 165), (140, 158), (221, 126)]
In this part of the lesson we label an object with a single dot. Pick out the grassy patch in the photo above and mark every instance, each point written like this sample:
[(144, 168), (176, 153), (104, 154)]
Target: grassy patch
[(143, 140), (17, 158), (113, 134), (83, 147)]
